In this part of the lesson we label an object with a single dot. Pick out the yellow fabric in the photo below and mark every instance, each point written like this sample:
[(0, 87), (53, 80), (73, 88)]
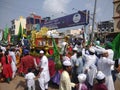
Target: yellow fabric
[(65, 82)]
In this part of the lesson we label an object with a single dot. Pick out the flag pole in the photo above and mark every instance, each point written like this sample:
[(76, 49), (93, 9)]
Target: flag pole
[(92, 34)]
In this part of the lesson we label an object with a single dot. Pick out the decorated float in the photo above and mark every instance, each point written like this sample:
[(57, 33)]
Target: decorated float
[(44, 40), (51, 42)]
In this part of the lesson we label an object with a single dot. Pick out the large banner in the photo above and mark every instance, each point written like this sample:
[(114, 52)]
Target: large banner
[(75, 19)]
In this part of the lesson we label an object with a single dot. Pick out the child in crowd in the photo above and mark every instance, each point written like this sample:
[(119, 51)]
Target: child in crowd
[(30, 79), (100, 82), (82, 78)]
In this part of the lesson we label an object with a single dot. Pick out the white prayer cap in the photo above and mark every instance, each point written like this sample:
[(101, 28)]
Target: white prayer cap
[(100, 75), (82, 77), (41, 51), (91, 49), (64, 43), (97, 42), (75, 48), (67, 63)]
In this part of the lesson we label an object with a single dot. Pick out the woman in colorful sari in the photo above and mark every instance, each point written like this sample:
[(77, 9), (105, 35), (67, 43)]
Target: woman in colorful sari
[(7, 69)]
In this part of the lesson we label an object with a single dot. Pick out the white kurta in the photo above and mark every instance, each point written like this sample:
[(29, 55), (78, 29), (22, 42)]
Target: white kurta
[(104, 65), (110, 56), (30, 80), (73, 59), (89, 60), (91, 74), (44, 75), (90, 66), (12, 54), (65, 82), (13, 64)]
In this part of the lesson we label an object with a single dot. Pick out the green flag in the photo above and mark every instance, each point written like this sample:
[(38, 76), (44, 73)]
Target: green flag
[(20, 32), (116, 46), (24, 33), (28, 37), (56, 55), (5, 34)]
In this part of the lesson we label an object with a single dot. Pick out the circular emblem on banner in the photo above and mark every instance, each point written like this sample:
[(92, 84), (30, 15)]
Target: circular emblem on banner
[(76, 18)]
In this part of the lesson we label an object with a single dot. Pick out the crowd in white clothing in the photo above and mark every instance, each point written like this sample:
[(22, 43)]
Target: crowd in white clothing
[(86, 61)]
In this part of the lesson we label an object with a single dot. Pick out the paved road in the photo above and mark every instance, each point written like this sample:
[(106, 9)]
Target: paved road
[(19, 84)]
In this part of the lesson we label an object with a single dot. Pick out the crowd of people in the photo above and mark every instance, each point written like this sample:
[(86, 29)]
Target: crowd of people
[(84, 66), (91, 60)]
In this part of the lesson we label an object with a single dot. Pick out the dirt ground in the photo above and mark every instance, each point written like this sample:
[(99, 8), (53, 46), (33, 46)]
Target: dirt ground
[(18, 83)]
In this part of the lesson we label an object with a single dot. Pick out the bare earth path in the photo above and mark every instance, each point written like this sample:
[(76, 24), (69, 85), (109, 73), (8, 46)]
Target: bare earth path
[(19, 84)]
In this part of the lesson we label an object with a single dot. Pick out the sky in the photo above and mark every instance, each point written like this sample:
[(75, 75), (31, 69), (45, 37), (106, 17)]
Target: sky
[(13, 9)]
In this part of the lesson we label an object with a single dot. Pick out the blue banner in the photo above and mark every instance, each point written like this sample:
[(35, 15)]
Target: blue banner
[(75, 19)]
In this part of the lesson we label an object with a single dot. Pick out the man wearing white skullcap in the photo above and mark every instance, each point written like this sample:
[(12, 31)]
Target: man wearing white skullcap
[(100, 85), (108, 47), (90, 65), (73, 59), (104, 64), (100, 75), (41, 51), (63, 48), (65, 81), (98, 50), (91, 49), (65, 58), (75, 48), (44, 72), (67, 63), (82, 78), (110, 51)]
